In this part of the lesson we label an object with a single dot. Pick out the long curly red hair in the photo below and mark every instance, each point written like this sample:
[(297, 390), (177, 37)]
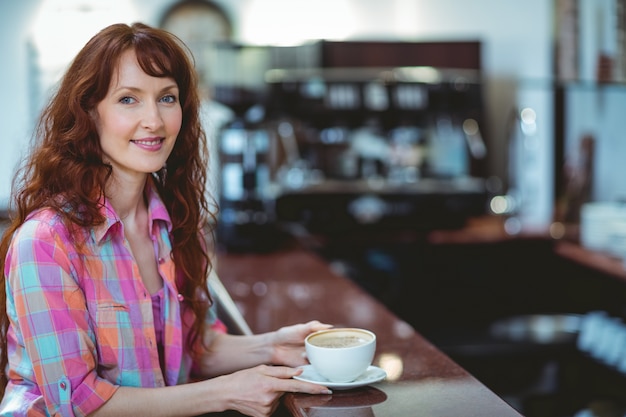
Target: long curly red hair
[(65, 170)]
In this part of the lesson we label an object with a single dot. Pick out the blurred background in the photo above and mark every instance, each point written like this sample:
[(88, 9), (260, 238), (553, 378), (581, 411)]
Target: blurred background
[(373, 131), (511, 64)]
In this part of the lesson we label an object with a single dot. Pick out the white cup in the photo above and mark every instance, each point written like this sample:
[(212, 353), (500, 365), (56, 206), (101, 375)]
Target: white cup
[(341, 354)]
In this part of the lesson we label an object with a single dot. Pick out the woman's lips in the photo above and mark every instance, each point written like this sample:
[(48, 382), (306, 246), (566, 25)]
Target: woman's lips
[(152, 144)]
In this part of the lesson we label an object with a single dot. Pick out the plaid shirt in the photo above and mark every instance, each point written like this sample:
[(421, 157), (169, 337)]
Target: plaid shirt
[(81, 319)]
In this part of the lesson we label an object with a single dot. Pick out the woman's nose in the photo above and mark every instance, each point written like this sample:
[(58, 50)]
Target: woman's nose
[(152, 118)]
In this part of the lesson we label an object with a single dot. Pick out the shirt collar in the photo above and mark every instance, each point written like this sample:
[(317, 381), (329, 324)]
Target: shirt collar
[(156, 212)]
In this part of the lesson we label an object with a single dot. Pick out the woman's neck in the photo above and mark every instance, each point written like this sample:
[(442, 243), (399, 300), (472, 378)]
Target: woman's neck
[(127, 198)]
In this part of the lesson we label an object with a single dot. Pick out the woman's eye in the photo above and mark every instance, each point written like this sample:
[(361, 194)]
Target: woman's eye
[(127, 100), (170, 98)]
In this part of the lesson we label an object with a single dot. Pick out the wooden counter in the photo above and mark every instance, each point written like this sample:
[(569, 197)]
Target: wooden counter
[(293, 286), (599, 261), (566, 245)]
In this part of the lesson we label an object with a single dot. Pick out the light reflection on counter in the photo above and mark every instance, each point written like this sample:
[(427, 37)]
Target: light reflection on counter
[(392, 364), (437, 397), (350, 403), (428, 397)]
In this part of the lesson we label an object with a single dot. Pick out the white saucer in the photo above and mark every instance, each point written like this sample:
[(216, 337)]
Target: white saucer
[(371, 375)]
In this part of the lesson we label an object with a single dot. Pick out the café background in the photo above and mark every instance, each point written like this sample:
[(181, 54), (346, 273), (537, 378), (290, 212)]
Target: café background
[(516, 37), (38, 37)]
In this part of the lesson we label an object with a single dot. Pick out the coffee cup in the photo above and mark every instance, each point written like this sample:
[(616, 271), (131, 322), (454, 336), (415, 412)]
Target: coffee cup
[(341, 354)]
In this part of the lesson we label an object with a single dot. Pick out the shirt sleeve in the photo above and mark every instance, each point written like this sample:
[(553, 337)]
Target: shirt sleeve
[(51, 317)]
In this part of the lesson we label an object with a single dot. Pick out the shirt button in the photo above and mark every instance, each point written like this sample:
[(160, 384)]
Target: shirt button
[(161, 260), (63, 385)]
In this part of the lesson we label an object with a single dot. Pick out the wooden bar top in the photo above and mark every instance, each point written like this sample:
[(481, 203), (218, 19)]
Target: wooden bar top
[(599, 261), (293, 286)]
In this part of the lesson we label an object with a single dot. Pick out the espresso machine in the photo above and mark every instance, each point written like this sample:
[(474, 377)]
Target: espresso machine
[(396, 148), (337, 138), (247, 220)]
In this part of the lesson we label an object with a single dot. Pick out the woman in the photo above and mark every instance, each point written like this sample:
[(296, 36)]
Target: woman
[(106, 299)]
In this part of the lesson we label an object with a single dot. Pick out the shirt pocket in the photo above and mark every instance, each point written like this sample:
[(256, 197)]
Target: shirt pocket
[(114, 334)]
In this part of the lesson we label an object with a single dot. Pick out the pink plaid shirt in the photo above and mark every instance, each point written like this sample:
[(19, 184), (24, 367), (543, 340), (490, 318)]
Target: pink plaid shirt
[(81, 319)]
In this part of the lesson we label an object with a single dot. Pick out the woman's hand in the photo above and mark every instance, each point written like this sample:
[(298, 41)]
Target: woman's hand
[(256, 391), (226, 353), (288, 343)]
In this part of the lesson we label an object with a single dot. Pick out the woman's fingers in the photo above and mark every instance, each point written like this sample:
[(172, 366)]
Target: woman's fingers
[(285, 382)]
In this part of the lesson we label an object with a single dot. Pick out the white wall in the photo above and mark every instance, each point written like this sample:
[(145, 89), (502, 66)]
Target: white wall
[(16, 113), (516, 36)]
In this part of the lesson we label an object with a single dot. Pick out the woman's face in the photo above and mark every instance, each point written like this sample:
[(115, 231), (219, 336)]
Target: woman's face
[(138, 120)]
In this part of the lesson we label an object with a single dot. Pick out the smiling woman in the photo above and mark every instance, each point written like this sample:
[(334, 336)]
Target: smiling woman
[(138, 120), (104, 300)]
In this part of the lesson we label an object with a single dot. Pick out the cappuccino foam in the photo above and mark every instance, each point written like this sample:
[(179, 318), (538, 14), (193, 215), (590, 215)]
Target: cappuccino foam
[(338, 341)]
